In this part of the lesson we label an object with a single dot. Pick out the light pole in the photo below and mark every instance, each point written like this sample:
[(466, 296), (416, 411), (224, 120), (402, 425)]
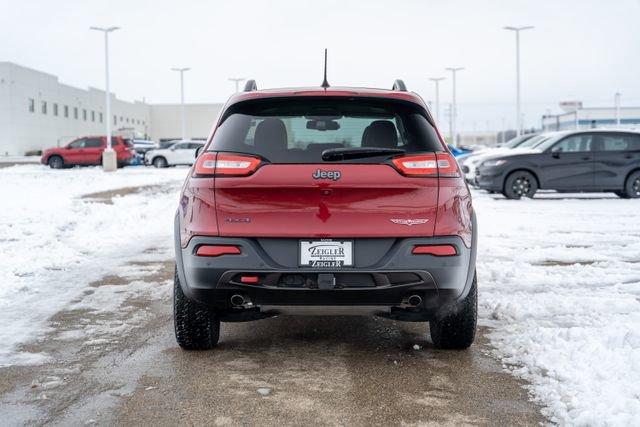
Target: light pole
[(454, 110), (184, 123), (518, 115), (109, 160), (237, 81), (437, 80), (617, 102)]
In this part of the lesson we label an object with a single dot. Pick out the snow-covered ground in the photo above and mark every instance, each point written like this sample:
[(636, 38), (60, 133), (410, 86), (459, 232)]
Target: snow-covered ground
[(559, 280), (559, 276), (53, 242)]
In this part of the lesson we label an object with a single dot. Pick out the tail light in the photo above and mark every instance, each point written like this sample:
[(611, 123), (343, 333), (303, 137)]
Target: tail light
[(222, 164), (436, 250), (428, 165), (217, 250)]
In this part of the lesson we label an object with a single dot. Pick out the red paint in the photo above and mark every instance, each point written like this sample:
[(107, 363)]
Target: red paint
[(284, 200), (217, 250), (72, 156), (436, 250)]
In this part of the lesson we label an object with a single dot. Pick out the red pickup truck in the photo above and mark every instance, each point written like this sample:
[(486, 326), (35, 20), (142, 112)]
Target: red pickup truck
[(87, 151)]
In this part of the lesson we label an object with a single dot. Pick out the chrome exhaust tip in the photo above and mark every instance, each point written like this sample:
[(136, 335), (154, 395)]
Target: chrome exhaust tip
[(414, 300), (237, 300)]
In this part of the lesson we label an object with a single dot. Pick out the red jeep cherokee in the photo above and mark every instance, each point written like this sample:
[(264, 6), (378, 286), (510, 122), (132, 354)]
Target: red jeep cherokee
[(325, 200), (87, 151)]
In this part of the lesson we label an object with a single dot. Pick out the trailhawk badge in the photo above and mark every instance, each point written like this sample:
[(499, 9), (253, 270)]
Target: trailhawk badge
[(409, 222)]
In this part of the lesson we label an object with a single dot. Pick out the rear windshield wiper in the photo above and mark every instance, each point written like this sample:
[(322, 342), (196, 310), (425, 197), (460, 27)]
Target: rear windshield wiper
[(334, 154)]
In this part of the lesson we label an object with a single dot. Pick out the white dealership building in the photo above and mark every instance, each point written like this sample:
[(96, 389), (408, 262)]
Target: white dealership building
[(37, 111)]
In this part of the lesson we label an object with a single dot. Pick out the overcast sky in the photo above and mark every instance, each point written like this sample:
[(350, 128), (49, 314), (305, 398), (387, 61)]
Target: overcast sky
[(584, 50)]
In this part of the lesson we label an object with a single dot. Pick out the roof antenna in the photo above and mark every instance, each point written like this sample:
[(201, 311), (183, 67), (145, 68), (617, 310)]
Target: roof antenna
[(325, 83)]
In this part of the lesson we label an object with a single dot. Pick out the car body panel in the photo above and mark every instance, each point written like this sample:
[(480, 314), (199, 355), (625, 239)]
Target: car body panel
[(75, 153)]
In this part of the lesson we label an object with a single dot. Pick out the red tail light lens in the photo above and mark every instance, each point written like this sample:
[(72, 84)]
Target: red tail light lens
[(422, 165), (221, 164), (447, 166), (217, 250), (236, 165), (436, 250), (428, 165)]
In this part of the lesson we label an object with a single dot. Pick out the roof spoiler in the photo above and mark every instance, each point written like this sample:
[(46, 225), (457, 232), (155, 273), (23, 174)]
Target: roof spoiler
[(399, 86), (250, 86)]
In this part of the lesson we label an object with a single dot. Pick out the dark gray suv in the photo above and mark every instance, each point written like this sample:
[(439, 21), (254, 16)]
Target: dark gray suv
[(578, 161)]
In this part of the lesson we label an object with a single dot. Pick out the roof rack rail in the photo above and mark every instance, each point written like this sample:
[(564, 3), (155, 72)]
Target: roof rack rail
[(399, 85), (250, 86)]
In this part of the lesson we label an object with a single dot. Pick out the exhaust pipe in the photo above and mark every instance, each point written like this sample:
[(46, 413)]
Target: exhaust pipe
[(414, 300), (237, 300)]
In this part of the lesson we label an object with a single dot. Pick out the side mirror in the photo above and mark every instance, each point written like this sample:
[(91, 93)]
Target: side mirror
[(199, 150)]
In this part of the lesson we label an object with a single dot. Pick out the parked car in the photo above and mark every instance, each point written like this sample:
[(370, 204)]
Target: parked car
[(87, 151), (579, 161), (143, 145), (325, 200), (179, 153), (458, 151), (522, 143)]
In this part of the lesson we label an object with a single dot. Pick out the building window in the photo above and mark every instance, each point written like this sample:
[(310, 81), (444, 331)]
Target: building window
[(75, 113), (55, 109), (115, 120), (120, 118), (32, 105), (44, 107), (100, 117), (93, 116), (84, 114), (65, 109)]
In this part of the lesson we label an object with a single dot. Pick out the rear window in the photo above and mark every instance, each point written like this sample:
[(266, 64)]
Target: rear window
[(299, 130)]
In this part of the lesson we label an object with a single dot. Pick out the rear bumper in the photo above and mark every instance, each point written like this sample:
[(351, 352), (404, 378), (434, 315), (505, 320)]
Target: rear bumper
[(383, 283)]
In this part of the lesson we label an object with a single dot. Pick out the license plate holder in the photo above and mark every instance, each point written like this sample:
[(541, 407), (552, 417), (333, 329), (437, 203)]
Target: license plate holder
[(326, 253)]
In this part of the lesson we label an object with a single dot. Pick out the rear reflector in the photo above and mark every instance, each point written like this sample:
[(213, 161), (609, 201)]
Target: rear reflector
[(222, 164), (436, 250), (217, 250), (428, 165), (249, 279)]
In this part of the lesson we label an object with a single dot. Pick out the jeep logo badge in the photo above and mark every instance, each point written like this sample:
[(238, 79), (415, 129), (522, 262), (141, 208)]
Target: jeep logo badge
[(320, 174)]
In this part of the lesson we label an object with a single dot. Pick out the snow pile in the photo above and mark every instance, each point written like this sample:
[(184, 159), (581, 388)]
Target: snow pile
[(53, 243), (559, 280)]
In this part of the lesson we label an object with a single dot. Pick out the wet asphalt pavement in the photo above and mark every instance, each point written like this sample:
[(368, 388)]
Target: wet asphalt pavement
[(285, 370)]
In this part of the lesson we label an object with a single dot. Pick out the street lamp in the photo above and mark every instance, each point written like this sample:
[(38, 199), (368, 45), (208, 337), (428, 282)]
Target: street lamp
[(109, 160), (454, 136), (437, 80), (518, 115), (237, 81), (184, 123)]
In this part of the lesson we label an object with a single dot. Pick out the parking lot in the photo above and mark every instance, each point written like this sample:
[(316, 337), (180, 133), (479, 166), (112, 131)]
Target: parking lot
[(559, 299)]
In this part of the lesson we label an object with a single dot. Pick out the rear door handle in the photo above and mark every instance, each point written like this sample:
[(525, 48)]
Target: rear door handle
[(586, 158)]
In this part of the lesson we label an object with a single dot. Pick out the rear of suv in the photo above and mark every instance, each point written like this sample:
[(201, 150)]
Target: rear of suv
[(325, 201)]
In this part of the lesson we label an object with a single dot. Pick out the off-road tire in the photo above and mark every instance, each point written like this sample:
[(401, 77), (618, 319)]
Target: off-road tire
[(457, 328), (55, 162), (520, 184), (196, 326)]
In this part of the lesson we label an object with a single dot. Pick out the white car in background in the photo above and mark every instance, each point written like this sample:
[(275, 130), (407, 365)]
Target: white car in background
[(180, 153)]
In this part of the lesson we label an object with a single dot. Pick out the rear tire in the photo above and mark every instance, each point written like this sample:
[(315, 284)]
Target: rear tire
[(457, 329), (520, 184), (55, 162), (160, 162), (631, 187), (196, 326)]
